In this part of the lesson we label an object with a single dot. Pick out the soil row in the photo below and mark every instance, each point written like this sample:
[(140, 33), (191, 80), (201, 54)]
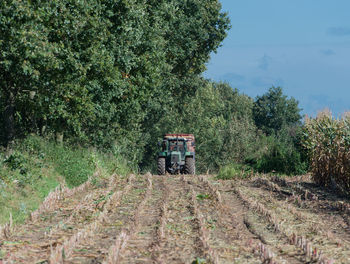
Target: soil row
[(183, 219)]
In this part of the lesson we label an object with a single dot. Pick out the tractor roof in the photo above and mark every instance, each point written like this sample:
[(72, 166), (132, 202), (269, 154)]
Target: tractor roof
[(179, 136)]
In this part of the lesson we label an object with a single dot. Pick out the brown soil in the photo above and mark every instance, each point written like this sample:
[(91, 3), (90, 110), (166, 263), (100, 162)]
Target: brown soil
[(187, 219)]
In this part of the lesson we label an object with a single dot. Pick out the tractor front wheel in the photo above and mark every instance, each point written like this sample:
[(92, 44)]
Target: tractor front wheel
[(190, 166), (161, 166)]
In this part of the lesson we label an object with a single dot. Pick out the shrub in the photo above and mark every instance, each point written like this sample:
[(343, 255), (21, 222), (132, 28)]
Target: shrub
[(15, 161), (279, 154), (282, 158)]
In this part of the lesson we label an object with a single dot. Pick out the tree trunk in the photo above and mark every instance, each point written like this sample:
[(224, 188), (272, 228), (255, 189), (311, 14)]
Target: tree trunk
[(9, 119)]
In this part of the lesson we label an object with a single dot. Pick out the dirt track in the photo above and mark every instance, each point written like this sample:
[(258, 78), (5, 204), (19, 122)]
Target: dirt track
[(181, 219)]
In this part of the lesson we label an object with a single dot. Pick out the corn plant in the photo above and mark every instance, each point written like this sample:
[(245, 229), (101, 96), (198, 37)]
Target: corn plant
[(327, 141)]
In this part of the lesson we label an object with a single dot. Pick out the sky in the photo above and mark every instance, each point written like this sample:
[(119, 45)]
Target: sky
[(301, 45)]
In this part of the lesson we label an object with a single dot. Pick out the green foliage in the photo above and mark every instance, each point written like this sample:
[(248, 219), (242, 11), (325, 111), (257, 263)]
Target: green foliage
[(39, 55), (75, 165), (102, 71), (204, 196), (219, 117), (279, 119), (234, 171), (15, 161), (273, 111), (199, 261), (117, 75), (35, 166), (280, 156)]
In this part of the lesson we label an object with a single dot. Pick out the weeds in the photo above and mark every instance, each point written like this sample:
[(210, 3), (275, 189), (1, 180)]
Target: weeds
[(235, 171), (199, 261), (203, 196)]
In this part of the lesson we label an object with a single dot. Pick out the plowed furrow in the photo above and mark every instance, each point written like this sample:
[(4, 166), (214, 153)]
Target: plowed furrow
[(35, 240), (179, 243), (233, 229), (211, 253), (320, 198), (312, 226), (159, 232), (227, 233), (282, 224), (330, 223), (185, 219), (143, 233), (95, 247), (333, 211), (65, 250)]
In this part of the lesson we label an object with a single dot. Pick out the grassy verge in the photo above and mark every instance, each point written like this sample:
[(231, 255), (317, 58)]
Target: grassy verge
[(241, 171), (35, 166), (234, 171)]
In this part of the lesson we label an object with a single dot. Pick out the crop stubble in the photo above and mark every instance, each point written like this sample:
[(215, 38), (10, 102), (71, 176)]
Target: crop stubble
[(178, 219)]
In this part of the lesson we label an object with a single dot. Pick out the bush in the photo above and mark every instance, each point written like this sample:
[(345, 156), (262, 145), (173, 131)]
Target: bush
[(15, 161), (279, 154), (282, 158)]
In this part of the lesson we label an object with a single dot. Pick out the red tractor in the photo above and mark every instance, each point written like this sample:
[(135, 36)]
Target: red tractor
[(177, 154)]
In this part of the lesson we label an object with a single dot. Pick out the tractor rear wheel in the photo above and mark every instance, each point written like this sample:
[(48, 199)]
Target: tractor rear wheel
[(190, 166), (161, 166)]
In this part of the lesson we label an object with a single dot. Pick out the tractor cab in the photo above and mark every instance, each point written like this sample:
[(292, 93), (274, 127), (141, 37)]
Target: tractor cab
[(177, 145), (177, 154)]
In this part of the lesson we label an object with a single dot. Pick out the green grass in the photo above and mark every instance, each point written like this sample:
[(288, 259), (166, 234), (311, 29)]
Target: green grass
[(202, 196), (234, 171), (35, 166)]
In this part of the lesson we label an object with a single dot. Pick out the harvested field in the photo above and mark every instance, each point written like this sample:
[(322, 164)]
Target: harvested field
[(184, 219)]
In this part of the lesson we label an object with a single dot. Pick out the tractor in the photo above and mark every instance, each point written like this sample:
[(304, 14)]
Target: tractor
[(177, 154)]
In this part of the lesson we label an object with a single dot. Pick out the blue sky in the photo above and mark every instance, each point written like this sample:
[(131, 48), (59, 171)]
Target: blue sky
[(300, 45)]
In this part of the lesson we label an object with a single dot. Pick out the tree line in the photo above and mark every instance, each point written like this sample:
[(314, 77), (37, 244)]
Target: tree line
[(118, 74)]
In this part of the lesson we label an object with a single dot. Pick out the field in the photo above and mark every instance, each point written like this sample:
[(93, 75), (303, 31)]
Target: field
[(184, 219)]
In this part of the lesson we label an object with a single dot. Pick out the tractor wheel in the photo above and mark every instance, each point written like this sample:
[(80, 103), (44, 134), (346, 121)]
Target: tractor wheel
[(161, 166), (190, 166)]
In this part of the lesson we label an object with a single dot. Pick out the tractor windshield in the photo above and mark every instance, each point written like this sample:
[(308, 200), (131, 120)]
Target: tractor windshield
[(177, 145)]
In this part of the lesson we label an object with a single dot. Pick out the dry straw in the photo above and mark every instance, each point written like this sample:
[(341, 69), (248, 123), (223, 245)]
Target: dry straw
[(203, 231), (164, 211), (61, 192), (116, 250), (213, 191), (6, 230), (60, 253), (294, 239)]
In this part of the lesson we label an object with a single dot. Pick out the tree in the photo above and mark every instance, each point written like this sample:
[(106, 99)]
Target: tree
[(46, 48), (279, 118), (273, 111), (103, 72)]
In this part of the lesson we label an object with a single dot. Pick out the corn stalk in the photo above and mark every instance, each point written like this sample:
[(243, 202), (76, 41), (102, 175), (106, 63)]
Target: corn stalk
[(327, 141)]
